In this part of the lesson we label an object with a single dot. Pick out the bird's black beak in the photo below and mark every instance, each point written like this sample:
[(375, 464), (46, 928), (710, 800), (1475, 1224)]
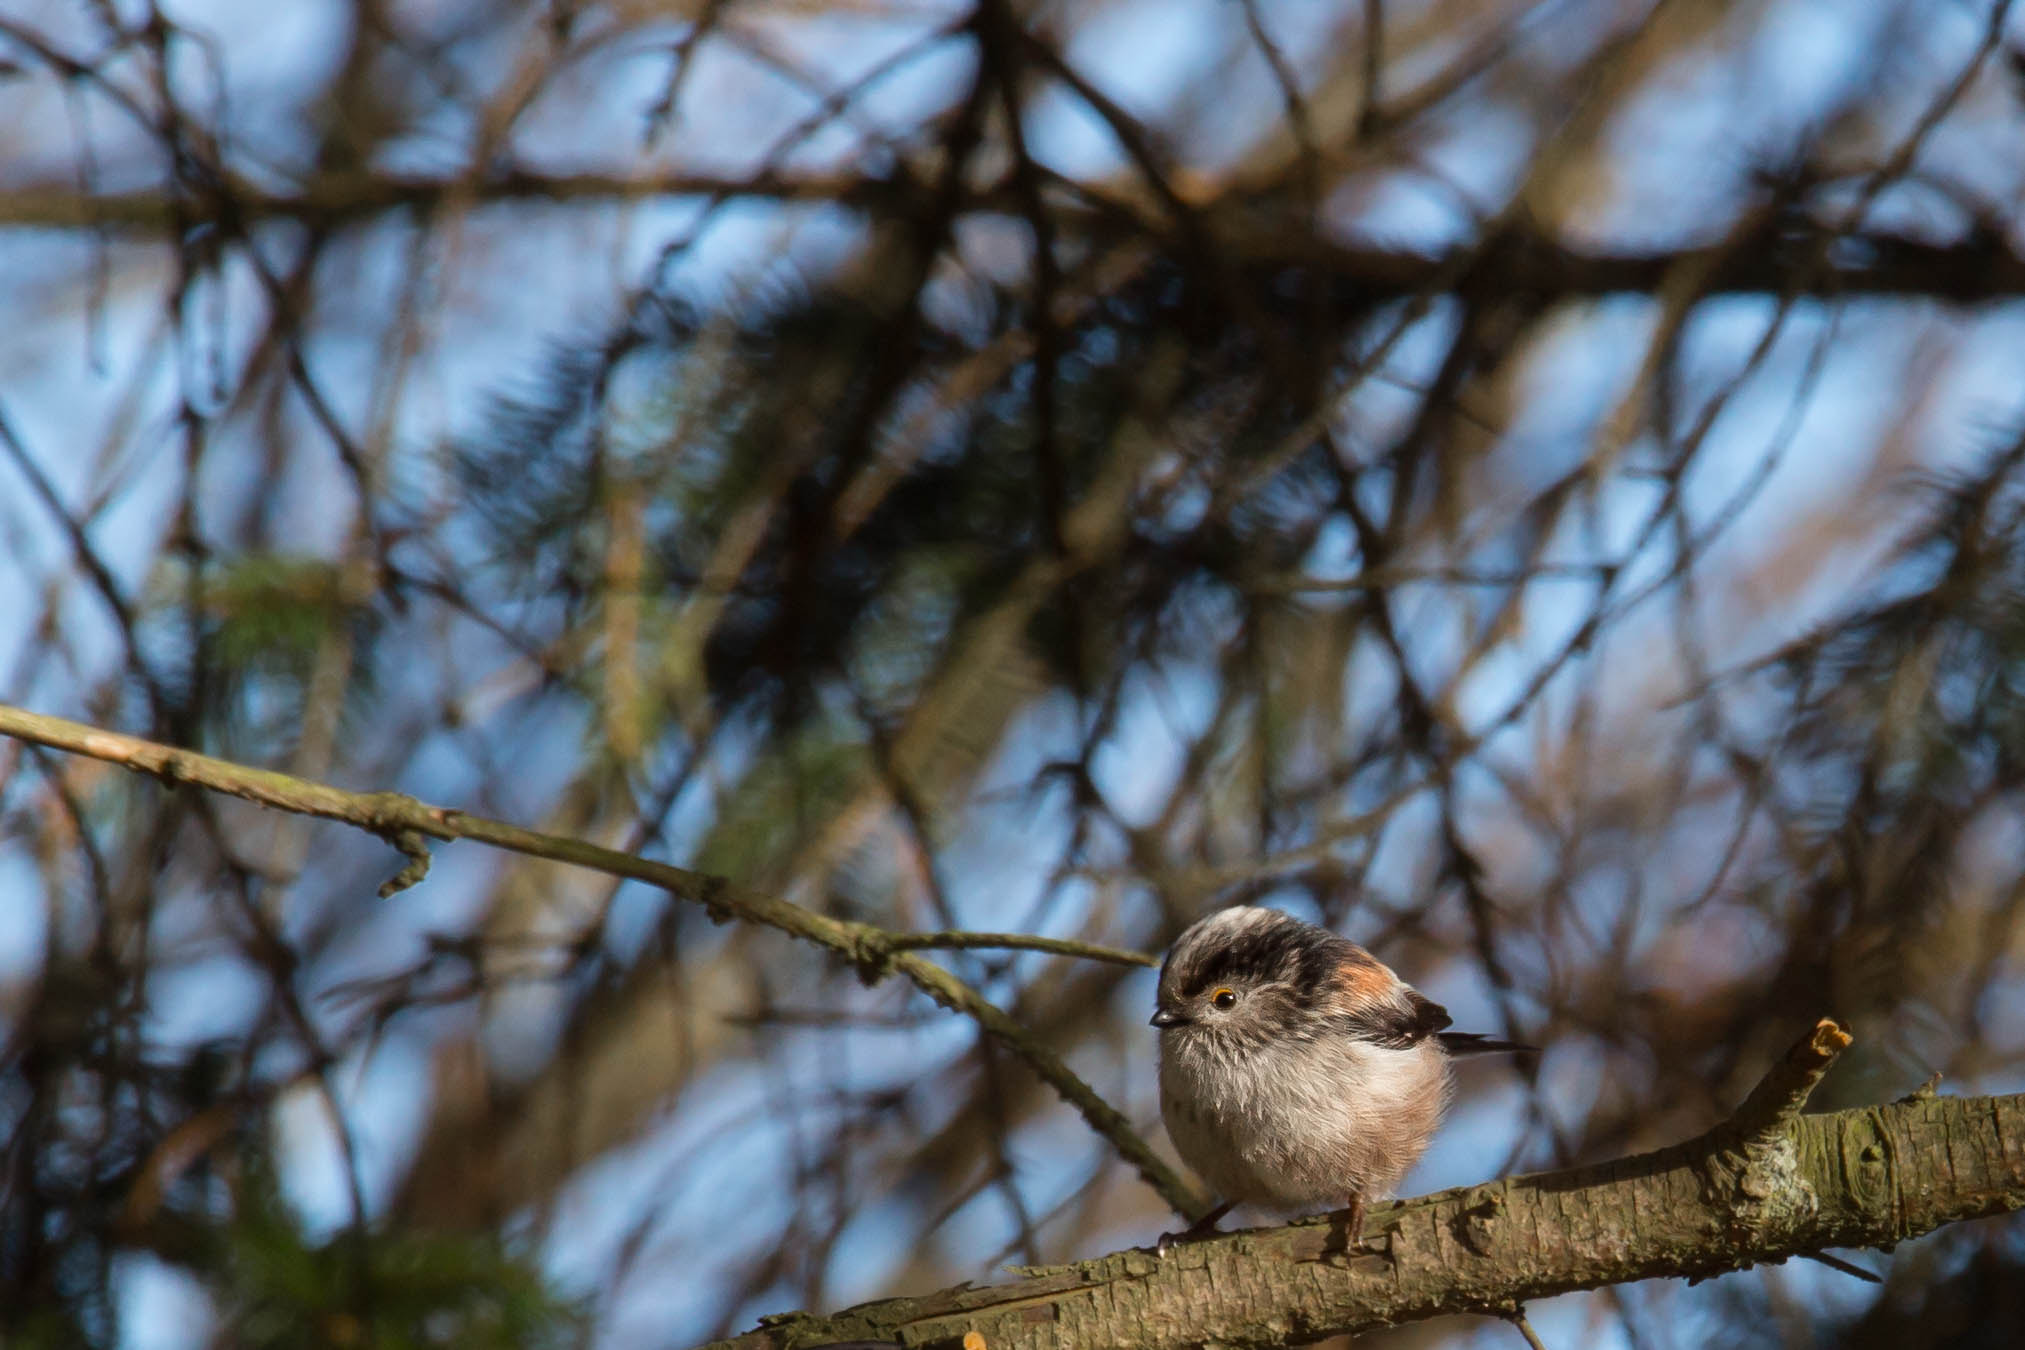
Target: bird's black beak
[(1167, 1017)]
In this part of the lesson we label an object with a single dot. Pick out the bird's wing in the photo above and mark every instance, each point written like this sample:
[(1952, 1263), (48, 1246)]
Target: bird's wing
[(1403, 1020)]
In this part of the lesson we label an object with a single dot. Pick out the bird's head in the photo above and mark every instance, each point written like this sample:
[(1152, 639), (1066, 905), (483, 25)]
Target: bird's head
[(1244, 975)]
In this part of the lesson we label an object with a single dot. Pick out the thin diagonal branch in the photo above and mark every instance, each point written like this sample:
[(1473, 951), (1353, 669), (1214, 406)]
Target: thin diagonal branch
[(406, 821)]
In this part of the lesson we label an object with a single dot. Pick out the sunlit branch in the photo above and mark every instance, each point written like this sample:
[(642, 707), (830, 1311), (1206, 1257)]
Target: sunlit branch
[(407, 823)]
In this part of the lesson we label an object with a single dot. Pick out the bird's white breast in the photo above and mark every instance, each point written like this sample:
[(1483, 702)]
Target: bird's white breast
[(1300, 1126)]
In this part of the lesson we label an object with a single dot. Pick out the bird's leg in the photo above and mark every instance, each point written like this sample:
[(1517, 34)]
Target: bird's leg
[(1354, 1227), (1196, 1231), (1354, 1241)]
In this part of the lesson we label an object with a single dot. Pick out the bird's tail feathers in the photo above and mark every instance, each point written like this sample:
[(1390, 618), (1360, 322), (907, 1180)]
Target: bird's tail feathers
[(1470, 1043)]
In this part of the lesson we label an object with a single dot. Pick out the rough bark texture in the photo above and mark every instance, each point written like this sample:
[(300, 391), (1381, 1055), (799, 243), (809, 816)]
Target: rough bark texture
[(1763, 1187)]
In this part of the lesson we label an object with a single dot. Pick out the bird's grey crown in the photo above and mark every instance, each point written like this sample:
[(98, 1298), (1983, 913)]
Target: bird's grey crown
[(1250, 945)]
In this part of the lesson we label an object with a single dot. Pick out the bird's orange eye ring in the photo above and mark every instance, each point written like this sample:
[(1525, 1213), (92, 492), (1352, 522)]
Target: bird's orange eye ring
[(1225, 997)]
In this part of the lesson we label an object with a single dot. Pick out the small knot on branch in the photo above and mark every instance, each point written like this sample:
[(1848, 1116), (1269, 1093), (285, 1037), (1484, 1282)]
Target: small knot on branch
[(415, 846), (1923, 1092), (710, 893), (871, 951)]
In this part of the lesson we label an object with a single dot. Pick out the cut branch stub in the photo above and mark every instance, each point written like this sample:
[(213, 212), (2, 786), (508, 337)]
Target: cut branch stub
[(1785, 1088)]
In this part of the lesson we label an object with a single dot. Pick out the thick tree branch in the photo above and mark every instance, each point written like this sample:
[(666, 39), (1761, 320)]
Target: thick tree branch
[(1766, 1185)]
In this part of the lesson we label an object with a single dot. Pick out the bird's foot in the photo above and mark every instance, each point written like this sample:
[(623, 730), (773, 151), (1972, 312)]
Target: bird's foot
[(1348, 1239)]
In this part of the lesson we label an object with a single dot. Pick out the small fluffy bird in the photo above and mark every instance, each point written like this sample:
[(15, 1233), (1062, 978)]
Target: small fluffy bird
[(1297, 1072)]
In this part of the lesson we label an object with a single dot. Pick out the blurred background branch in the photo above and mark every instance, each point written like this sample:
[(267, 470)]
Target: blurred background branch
[(1533, 484)]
